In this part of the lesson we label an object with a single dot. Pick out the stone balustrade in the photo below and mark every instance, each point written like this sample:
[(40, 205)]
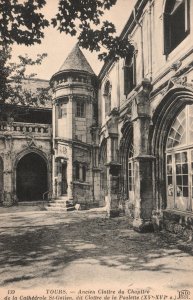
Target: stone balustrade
[(22, 128)]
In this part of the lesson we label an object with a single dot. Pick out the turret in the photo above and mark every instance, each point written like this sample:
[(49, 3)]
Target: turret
[(74, 110)]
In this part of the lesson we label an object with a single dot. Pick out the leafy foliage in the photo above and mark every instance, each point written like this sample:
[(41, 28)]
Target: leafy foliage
[(12, 81), (83, 19), (22, 22)]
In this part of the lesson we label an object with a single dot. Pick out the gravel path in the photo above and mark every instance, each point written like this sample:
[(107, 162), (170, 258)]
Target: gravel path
[(39, 249)]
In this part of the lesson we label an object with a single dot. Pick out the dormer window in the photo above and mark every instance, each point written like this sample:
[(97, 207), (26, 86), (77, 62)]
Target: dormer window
[(176, 23), (129, 74), (107, 97)]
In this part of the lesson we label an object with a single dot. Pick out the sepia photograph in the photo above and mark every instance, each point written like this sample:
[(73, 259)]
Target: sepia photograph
[(96, 149)]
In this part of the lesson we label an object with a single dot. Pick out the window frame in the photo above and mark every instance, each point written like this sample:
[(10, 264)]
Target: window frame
[(169, 15), (80, 109), (129, 70), (107, 97)]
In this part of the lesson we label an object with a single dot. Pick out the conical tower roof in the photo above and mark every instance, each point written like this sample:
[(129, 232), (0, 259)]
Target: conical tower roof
[(76, 61)]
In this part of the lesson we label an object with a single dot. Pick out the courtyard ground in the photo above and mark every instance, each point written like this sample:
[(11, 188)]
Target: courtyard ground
[(85, 249)]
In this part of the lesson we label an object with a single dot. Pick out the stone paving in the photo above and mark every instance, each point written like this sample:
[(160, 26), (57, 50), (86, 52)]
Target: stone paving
[(39, 249)]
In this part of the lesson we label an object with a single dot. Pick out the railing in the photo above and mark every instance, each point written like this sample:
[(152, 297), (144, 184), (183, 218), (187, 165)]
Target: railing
[(20, 128), (49, 193)]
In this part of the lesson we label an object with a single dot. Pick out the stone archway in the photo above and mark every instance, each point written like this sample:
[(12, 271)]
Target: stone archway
[(31, 177), (166, 112)]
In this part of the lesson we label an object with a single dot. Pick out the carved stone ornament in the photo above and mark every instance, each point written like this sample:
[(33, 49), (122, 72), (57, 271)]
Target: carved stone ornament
[(114, 112), (175, 66), (182, 81), (31, 141), (8, 142), (147, 86), (176, 81)]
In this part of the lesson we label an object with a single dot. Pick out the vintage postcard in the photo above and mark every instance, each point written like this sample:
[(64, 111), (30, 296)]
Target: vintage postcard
[(96, 149)]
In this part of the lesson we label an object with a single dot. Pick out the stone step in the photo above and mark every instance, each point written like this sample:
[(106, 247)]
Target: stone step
[(59, 205), (62, 198), (61, 201), (58, 209)]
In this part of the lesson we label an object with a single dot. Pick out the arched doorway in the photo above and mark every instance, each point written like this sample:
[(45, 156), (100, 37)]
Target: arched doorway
[(31, 178), (171, 146)]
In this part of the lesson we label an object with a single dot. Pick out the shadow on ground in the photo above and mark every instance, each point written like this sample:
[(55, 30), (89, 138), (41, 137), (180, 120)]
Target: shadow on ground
[(28, 252)]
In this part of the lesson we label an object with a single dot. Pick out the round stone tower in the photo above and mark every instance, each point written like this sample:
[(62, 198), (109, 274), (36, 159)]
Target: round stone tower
[(74, 107)]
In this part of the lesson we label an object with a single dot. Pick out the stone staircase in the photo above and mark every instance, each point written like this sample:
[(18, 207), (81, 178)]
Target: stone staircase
[(60, 204)]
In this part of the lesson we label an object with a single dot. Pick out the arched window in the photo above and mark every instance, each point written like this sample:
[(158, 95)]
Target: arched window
[(129, 74), (176, 23), (107, 97), (179, 161)]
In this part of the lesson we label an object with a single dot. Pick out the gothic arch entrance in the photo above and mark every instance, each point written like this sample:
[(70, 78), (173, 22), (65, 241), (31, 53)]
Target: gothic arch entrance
[(179, 161), (31, 178), (172, 145)]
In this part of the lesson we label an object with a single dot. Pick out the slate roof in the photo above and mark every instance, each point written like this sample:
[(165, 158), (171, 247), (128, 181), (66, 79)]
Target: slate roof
[(76, 61)]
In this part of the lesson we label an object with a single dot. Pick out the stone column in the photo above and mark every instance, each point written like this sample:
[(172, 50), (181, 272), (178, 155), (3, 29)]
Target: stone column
[(70, 117), (143, 161), (70, 173), (113, 166), (9, 196), (54, 180), (112, 197)]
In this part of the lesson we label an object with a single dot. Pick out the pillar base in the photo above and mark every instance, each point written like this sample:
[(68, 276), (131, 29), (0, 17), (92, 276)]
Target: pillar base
[(143, 226)]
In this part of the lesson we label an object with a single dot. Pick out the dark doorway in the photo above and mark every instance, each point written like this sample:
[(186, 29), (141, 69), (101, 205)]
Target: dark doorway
[(64, 179), (31, 178)]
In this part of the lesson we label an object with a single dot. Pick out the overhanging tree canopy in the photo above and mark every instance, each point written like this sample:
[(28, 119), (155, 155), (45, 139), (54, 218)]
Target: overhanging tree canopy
[(22, 22)]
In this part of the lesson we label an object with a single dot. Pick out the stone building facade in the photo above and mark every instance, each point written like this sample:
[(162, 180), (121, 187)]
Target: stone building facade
[(74, 115), (123, 139), (148, 99), (25, 151)]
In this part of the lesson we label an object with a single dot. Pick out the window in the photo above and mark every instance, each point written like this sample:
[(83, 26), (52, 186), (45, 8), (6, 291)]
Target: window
[(80, 109), (62, 111), (77, 172), (80, 170), (84, 173), (114, 148), (107, 97), (176, 23), (179, 161), (129, 74)]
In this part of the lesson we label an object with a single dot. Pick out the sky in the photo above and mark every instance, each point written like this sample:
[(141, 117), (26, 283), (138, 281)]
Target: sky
[(58, 45)]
